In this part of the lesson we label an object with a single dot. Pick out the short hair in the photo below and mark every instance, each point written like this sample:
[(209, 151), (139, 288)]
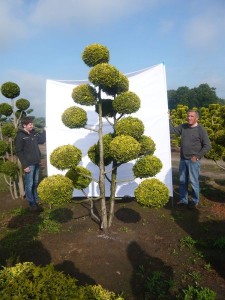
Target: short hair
[(195, 111), (27, 120)]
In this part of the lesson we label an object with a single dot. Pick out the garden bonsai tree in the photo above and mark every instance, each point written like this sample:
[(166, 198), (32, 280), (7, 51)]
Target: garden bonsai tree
[(108, 91), (10, 115)]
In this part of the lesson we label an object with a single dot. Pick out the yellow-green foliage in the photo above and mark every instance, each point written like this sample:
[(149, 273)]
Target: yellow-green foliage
[(122, 84), (74, 117), (27, 281), (107, 108), (6, 109), (10, 90), (56, 190), (93, 152), (147, 145), (126, 103), (106, 77), (152, 193), (147, 166), (8, 130), (124, 148), (3, 148), (65, 157), (84, 94), (130, 126), (22, 104), (78, 175), (220, 137), (20, 114), (9, 168), (95, 54)]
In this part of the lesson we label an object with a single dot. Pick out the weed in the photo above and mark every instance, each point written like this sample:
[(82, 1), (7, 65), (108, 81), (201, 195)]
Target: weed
[(198, 293), (193, 278), (188, 242), (219, 242), (124, 228), (19, 211), (157, 285), (208, 267)]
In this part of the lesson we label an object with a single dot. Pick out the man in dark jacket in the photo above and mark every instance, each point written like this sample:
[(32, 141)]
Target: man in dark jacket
[(195, 144), (28, 152)]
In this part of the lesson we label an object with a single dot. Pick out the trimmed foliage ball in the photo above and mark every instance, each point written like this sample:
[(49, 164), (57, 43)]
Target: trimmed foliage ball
[(95, 54), (130, 126), (6, 109), (220, 137), (65, 157), (22, 104), (74, 117), (106, 77), (126, 103), (93, 152), (3, 147), (122, 85), (152, 193), (8, 130), (84, 94), (147, 166), (20, 114), (107, 108), (10, 90), (56, 190), (148, 146), (9, 168), (124, 148), (78, 175)]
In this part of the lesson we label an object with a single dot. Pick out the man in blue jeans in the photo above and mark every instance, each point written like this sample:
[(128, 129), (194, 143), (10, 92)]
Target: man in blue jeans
[(195, 144), (28, 152)]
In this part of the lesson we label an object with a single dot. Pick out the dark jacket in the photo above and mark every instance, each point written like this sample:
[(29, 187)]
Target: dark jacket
[(27, 148)]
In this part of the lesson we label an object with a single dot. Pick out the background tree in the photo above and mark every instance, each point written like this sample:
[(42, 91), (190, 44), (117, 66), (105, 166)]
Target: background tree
[(10, 116), (109, 92), (201, 96)]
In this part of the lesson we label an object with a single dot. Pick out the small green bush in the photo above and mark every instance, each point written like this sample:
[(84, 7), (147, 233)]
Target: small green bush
[(84, 94), (20, 114), (147, 166), (130, 126), (220, 137), (95, 54), (78, 175), (22, 104), (74, 117), (10, 90), (6, 109), (56, 190), (152, 193), (27, 281), (65, 157), (107, 108), (124, 148), (126, 103)]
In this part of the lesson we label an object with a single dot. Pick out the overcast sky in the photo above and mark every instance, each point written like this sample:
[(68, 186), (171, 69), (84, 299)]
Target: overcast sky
[(44, 39)]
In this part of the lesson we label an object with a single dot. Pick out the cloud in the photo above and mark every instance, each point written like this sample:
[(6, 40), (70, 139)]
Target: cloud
[(13, 26), (206, 29)]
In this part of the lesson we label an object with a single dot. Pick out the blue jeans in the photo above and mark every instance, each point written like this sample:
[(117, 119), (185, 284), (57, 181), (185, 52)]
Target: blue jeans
[(189, 172), (31, 183)]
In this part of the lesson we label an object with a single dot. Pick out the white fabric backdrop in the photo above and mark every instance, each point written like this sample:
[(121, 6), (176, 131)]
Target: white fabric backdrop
[(150, 85)]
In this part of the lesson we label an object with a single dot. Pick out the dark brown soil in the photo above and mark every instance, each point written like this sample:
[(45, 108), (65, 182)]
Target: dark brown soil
[(140, 242)]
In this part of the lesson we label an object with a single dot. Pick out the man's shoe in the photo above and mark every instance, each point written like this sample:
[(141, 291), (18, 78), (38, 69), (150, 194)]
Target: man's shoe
[(181, 204)]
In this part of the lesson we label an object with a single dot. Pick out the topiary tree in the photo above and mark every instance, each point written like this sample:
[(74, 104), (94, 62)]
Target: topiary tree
[(10, 115), (126, 141)]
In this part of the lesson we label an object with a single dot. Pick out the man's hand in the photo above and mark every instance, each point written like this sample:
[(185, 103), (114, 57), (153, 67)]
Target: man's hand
[(27, 170), (194, 159)]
